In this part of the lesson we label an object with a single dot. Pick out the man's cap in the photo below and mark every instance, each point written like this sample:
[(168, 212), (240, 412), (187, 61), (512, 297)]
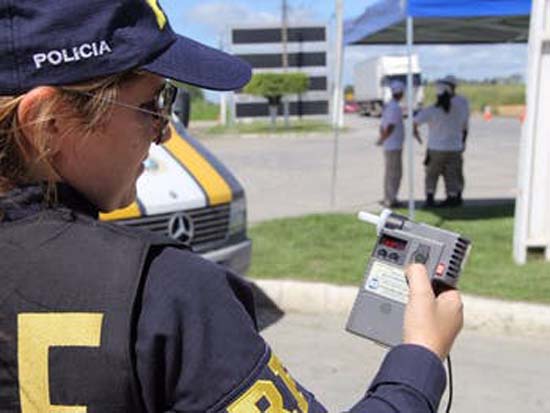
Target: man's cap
[(450, 80), (60, 42), (442, 87), (396, 86)]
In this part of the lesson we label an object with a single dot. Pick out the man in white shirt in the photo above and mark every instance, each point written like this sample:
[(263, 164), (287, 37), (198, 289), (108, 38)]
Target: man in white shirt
[(463, 103), (391, 137), (446, 122)]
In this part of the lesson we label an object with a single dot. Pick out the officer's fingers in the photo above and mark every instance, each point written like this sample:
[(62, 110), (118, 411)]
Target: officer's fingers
[(419, 282), (449, 304), (450, 299)]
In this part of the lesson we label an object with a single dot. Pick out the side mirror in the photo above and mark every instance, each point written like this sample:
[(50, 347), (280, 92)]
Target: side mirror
[(182, 107)]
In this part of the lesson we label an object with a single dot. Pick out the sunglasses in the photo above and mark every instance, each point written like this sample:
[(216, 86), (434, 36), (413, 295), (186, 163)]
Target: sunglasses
[(160, 107)]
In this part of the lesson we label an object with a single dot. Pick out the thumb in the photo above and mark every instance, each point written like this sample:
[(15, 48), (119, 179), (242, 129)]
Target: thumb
[(419, 282)]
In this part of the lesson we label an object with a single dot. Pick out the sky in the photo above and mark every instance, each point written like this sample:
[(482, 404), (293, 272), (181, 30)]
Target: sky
[(208, 20)]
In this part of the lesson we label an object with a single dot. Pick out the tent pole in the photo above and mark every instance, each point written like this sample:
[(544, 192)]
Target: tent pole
[(531, 227), (410, 103)]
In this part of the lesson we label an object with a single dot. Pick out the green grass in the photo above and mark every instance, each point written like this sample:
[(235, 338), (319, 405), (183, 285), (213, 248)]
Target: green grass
[(481, 95), (265, 127), (204, 110), (335, 248)]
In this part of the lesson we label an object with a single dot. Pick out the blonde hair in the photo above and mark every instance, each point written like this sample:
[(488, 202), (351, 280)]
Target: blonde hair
[(17, 159)]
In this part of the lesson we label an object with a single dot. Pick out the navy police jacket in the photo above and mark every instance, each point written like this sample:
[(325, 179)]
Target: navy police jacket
[(98, 318)]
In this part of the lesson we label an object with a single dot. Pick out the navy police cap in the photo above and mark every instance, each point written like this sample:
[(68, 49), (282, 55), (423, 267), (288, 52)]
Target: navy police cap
[(59, 42)]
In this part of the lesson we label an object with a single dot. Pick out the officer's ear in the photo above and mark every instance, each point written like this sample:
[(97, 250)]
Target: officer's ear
[(44, 117), (33, 119)]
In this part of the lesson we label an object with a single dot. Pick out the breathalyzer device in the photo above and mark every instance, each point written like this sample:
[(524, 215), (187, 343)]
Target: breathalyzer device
[(379, 308)]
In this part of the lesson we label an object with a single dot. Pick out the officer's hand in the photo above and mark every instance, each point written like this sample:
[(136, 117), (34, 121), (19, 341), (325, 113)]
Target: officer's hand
[(431, 322)]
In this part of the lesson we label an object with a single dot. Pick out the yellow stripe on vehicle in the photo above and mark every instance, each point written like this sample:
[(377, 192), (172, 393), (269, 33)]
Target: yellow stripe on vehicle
[(131, 211), (214, 185)]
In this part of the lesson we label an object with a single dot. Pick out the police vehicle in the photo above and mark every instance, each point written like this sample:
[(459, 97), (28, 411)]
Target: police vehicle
[(186, 193)]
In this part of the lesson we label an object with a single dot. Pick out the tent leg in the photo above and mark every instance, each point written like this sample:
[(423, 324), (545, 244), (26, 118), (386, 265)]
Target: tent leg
[(409, 136)]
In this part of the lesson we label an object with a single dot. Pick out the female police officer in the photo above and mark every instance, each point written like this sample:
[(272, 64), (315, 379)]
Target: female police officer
[(97, 318)]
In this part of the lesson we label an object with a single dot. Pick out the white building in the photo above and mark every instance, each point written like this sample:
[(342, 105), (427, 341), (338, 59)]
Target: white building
[(306, 49)]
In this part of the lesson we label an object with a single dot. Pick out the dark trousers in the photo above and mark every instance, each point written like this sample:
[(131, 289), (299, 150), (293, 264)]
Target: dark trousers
[(446, 164)]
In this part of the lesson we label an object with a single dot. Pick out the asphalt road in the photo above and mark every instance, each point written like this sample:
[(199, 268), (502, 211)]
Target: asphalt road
[(288, 176), (492, 373)]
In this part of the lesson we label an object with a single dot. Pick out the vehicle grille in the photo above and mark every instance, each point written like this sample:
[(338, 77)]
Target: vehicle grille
[(211, 225)]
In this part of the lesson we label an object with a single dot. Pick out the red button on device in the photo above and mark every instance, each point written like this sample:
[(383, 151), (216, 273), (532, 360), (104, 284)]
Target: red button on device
[(440, 269)]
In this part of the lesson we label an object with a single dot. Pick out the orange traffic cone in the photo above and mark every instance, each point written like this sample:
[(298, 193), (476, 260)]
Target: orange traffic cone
[(487, 115)]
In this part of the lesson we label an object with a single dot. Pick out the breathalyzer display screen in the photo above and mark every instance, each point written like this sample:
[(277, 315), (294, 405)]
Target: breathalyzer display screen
[(392, 242)]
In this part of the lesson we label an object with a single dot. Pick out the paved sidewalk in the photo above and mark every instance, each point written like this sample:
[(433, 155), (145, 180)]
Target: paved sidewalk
[(489, 315), (492, 373)]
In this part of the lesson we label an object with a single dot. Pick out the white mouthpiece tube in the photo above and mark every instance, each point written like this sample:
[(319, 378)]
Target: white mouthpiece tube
[(368, 217), (379, 221)]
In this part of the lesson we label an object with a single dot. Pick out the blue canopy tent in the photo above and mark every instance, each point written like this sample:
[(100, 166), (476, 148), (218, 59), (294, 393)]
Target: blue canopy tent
[(437, 22), (441, 22)]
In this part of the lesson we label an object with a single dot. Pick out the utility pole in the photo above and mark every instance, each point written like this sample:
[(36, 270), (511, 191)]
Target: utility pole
[(284, 40), (337, 96), (230, 103), (223, 95)]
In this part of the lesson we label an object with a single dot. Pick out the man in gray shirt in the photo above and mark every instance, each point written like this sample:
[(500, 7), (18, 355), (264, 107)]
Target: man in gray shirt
[(391, 137)]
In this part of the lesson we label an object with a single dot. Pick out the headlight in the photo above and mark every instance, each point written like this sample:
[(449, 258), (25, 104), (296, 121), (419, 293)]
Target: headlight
[(237, 216)]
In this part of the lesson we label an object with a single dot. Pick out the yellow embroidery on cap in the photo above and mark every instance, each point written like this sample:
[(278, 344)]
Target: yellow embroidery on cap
[(161, 17)]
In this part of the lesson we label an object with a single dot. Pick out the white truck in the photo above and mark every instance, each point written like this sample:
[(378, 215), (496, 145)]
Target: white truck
[(372, 78)]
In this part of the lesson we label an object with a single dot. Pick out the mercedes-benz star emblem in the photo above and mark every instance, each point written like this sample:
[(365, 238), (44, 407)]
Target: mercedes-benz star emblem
[(180, 228)]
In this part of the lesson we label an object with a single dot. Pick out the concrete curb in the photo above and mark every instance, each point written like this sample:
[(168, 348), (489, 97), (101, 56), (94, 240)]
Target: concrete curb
[(490, 315)]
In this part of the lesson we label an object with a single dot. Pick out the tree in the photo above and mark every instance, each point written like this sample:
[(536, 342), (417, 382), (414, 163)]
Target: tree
[(349, 93), (273, 86), (349, 89)]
